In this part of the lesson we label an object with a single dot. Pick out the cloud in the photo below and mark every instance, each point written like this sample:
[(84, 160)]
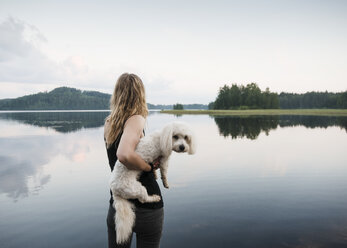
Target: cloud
[(13, 43), (21, 59), (23, 175), (26, 68), (76, 65), (158, 89)]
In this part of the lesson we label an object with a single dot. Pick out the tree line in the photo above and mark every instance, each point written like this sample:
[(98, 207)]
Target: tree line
[(313, 100), (245, 97), (66, 98), (252, 97), (62, 98), (178, 106)]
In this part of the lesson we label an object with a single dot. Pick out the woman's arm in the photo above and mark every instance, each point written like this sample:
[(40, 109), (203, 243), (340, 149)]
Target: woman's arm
[(133, 130)]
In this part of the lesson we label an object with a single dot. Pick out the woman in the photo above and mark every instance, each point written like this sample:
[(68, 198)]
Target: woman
[(123, 129)]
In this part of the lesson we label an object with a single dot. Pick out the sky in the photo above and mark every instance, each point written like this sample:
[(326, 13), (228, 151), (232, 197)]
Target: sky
[(183, 51)]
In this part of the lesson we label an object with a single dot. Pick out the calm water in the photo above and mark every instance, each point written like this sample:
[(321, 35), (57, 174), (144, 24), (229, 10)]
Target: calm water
[(254, 182)]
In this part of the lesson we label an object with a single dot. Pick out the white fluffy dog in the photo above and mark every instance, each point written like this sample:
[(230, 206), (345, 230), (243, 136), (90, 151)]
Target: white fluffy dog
[(124, 183)]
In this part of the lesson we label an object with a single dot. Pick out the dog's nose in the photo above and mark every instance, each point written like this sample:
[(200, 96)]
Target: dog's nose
[(181, 147)]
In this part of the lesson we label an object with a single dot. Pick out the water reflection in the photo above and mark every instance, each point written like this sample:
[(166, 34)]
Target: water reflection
[(250, 127), (23, 156), (263, 193), (313, 121), (63, 122), (21, 171), (24, 160)]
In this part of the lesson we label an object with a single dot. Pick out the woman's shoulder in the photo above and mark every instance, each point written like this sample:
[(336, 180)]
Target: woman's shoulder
[(135, 121), (135, 124), (137, 118)]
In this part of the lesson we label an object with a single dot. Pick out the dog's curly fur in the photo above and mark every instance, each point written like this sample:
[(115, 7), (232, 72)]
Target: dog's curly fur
[(124, 183)]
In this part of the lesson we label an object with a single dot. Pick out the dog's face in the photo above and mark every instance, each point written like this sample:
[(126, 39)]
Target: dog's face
[(177, 137), (180, 142)]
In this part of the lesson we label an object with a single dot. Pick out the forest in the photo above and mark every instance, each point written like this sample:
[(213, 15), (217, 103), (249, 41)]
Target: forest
[(66, 98), (229, 97), (62, 98), (245, 97), (313, 100), (252, 97)]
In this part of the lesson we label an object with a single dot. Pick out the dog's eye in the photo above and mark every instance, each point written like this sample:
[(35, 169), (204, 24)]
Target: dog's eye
[(186, 137), (175, 137)]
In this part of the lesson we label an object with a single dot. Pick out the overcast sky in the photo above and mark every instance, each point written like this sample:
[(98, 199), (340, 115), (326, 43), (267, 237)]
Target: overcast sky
[(183, 50)]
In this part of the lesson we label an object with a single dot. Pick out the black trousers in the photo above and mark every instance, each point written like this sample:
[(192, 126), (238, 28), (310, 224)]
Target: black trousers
[(148, 228)]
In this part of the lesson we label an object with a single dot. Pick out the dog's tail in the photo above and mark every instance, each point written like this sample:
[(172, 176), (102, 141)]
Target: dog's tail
[(124, 218)]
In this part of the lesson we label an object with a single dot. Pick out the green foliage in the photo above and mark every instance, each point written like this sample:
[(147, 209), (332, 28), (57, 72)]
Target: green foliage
[(185, 106), (158, 106), (178, 106), (61, 98), (250, 112), (245, 97), (342, 100), (195, 106), (251, 97), (313, 100), (243, 107), (65, 98), (211, 105)]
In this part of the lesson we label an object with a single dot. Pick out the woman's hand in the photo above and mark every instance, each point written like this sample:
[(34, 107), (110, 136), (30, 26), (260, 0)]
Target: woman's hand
[(156, 163)]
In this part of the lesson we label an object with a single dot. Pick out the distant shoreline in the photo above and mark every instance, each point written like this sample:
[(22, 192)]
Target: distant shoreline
[(316, 112), (62, 110), (54, 110), (251, 112)]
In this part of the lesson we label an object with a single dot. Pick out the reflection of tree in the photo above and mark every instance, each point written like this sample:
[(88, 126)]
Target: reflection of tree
[(314, 121), (60, 121), (342, 122), (63, 122), (250, 127)]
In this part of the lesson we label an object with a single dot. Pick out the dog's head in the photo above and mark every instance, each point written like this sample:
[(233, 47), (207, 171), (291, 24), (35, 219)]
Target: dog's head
[(177, 137)]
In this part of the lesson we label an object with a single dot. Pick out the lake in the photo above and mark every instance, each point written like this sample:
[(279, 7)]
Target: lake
[(259, 181)]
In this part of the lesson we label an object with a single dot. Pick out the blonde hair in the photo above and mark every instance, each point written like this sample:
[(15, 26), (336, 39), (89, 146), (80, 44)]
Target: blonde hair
[(128, 99)]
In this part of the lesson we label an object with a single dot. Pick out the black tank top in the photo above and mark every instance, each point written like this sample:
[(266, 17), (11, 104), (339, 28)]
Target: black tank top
[(147, 179)]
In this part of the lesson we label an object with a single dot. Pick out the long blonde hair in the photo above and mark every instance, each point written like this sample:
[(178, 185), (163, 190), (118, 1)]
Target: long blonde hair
[(128, 99)]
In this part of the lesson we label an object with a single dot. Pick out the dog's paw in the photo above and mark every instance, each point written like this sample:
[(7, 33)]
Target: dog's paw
[(150, 198), (154, 198), (157, 198), (166, 184)]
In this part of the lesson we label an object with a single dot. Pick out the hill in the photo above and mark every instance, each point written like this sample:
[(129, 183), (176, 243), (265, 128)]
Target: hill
[(62, 98), (65, 98)]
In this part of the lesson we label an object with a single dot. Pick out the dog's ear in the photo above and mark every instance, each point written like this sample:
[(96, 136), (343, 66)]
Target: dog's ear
[(192, 144), (166, 140)]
